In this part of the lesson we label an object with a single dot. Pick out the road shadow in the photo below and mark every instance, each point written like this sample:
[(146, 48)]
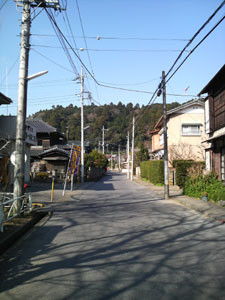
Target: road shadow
[(128, 247)]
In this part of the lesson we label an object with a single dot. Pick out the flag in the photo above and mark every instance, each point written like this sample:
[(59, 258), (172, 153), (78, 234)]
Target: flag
[(75, 160)]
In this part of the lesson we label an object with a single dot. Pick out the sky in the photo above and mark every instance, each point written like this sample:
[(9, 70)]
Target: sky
[(137, 40)]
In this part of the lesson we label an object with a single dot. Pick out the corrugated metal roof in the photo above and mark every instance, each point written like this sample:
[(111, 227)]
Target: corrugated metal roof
[(41, 126)]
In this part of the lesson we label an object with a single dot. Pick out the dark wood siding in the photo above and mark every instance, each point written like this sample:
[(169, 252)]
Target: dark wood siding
[(216, 162), (219, 111)]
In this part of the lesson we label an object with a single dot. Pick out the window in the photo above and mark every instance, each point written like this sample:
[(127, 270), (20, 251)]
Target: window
[(191, 129)]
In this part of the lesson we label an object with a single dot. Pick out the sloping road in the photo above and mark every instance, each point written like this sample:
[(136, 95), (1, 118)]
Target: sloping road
[(117, 240)]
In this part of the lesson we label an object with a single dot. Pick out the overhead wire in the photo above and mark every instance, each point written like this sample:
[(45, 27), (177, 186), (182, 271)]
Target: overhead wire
[(61, 40), (199, 43), (117, 38), (3, 4), (110, 50), (13, 65), (85, 41), (194, 36), (151, 101)]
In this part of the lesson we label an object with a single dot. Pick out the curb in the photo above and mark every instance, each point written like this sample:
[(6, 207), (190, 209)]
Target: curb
[(14, 236)]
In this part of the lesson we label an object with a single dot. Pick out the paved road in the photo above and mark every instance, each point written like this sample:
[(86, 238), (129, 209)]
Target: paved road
[(117, 240)]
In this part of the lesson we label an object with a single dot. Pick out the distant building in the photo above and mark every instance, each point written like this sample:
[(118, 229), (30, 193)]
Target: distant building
[(215, 123), (51, 153), (185, 130), (7, 147)]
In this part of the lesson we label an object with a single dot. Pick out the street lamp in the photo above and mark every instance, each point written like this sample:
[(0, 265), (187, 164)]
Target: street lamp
[(19, 170)]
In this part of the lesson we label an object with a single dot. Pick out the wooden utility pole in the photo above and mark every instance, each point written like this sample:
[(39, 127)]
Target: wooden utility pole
[(166, 169)]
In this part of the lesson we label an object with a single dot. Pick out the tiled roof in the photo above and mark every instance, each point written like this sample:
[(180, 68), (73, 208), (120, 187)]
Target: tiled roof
[(40, 125), (35, 152), (4, 99), (55, 149)]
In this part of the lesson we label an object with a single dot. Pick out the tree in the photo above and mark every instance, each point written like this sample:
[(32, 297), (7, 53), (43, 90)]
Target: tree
[(142, 154)]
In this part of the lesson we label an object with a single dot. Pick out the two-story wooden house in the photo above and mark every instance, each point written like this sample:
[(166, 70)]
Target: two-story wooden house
[(185, 133), (215, 123)]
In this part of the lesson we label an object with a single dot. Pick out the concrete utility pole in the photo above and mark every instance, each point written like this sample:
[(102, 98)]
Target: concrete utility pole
[(119, 157), (166, 169), (128, 155), (19, 170), (132, 161), (103, 139), (82, 125), (111, 162)]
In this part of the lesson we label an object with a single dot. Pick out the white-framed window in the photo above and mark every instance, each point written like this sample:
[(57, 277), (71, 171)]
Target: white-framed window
[(191, 129), (161, 139)]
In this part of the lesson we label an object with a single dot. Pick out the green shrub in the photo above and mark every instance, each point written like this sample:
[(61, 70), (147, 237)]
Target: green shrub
[(153, 170), (182, 167), (209, 184), (94, 159), (42, 175)]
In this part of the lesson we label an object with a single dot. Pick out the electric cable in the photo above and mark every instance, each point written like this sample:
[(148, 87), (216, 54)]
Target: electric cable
[(117, 38), (3, 4), (194, 36), (202, 40)]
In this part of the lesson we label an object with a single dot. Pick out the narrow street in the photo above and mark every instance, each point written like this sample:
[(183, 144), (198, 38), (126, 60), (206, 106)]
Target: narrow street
[(117, 240)]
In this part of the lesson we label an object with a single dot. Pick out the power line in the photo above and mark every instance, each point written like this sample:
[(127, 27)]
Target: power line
[(10, 69), (3, 4), (117, 38), (194, 36), (110, 50), (85, 41), (52, 61), (217, 24)]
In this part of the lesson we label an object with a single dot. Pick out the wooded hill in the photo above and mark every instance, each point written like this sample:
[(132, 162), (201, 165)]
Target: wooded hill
[(116, 118)]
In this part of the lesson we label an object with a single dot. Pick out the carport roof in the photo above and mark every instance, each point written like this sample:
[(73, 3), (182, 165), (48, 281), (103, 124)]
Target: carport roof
[(4, 99)]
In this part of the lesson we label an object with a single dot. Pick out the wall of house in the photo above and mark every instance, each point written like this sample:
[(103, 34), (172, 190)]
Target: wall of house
[(186, 145), (156, 142)]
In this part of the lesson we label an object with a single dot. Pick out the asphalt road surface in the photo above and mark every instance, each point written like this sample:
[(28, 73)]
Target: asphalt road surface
[(117, 240)]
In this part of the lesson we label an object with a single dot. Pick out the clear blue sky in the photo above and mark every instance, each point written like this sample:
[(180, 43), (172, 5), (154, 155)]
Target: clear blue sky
[(162, 19)]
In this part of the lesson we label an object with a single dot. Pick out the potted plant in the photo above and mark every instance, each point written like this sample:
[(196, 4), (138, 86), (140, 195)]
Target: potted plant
[(204, 196)]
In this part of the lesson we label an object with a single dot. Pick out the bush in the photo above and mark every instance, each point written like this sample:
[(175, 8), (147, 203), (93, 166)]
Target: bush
[(94, 159), (153, 170), (183, 167), (42, 175), (208, 184)]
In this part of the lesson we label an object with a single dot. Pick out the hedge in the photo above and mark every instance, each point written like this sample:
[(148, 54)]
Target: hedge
[(153, 171), (182, 167)]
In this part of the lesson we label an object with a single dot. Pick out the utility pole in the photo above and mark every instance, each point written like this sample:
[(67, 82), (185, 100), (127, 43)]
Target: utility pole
[(19, 169), (132, 161), (128, 155), (119, 157), (103, 141), (111, 162), (82, 124), (166, 169)]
